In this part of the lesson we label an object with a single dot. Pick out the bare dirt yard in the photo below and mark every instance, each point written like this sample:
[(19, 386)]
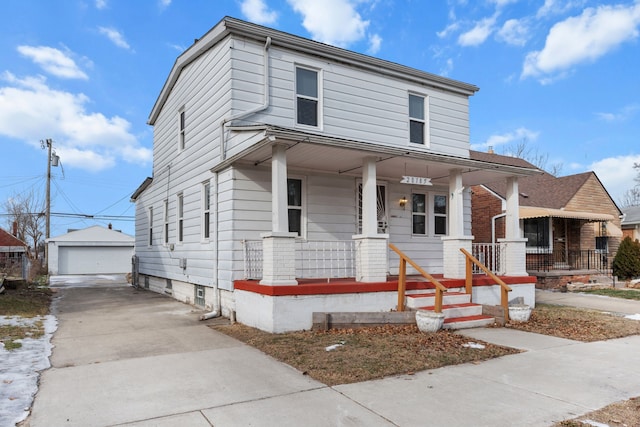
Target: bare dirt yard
[(352, 355)]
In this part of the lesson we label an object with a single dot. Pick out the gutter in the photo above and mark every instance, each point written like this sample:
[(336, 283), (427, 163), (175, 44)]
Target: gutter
[(264, 106)]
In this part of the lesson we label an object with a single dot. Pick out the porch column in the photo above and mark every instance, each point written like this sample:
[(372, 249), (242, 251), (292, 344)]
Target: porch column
[(371, 247), (278, 246), (454, 261), (515, 245)]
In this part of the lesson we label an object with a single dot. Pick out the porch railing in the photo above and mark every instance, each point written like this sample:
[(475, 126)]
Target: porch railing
[(504, 288), (548, 260), (315, 259), (492, 255)]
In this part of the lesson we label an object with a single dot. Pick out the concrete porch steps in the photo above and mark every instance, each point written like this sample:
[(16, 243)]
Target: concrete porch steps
[(459, 311)]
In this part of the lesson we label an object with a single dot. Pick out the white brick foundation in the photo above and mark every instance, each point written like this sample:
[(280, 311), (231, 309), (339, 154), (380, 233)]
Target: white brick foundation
[(454, 260), (371, 258), (279, 259)]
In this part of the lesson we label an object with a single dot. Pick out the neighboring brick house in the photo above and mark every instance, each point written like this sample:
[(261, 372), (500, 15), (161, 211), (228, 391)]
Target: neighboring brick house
[(631, 222), (572, 224), (12, 252)]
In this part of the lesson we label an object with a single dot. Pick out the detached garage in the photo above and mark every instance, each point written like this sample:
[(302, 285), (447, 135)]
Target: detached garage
[(93, 250)]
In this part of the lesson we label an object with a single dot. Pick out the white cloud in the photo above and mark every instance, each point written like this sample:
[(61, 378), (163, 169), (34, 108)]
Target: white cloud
[(451, 28), (375, 41), (164, 3), (53, 61), (514, 32), (101, 4), (334, 22), (555, 7), (446, 70), (115, 36), (623, 114), (258, 12), (519, 135), (479, 33), (30, 110), (617, 173), (583, 38)]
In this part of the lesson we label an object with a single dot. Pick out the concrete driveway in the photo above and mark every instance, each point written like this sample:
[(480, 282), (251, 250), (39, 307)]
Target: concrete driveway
[(131, 357)]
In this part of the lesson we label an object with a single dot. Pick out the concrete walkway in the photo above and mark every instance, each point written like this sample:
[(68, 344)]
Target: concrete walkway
[(135, 358)]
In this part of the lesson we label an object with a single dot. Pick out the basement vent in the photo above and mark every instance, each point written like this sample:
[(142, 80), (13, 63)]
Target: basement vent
[(198, 298), (169, 284)]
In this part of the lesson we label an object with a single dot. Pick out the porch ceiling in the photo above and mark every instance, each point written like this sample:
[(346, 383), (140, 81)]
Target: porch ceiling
[(312, 152)]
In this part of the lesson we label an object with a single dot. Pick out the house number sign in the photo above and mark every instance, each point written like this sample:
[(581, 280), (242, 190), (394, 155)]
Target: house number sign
[(415, 180)]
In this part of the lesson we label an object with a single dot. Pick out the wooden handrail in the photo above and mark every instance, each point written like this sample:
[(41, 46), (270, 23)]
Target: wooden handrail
[(504, 288), (402, 280)]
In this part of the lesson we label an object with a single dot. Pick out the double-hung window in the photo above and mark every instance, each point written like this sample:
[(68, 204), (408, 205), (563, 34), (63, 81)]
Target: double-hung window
[(307, 97), (439, 215), (417, 119), (294, 205), (206, 209), (150, 226), (180, 212), (165, 229), (428, 214), (181, 127), (419, 213)]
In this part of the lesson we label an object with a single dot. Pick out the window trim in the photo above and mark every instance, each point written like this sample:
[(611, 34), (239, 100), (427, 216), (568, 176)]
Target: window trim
[(302, 207), (426, 140), (318, 99), (181, 129), (180, 218), (150, 227), (206, 211)]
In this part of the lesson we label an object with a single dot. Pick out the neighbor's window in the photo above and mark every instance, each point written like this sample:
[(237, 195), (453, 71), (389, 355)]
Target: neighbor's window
[(165, 230), (150, 226), (206, 209), (307, 99), (294, 205), (419, 213), (180, 217), (439, 214), (181, 126), (416, 119), (536, 231)]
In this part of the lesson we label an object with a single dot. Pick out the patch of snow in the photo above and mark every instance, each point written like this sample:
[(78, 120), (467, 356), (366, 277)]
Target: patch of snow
[(633, 316), (472, 344), (19, 368), (334, 346)]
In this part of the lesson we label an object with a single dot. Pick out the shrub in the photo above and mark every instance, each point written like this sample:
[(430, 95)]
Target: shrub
[(626, 264)]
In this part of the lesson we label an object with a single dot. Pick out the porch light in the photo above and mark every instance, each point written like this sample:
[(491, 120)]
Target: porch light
[(403, 202)]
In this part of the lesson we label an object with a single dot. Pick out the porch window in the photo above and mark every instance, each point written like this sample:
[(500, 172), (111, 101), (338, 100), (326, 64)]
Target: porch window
[(180, 217), (181, 127), (294, 205), (307, 98), (150, 226), (417, 119), (206, 209), (602, 245), (440, 215), (536, 231), (165, 230), (419, 213)]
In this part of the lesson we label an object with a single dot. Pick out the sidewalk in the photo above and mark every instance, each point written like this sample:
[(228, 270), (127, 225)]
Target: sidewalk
[(135, 358)]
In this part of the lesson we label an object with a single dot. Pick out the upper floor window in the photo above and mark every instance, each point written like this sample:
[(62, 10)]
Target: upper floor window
[(180, 224), (294, 205), (417, 119), (181, 126), (206, 209), (307, 98)]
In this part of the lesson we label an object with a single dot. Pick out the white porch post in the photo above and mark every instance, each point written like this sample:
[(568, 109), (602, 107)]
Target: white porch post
[(515, 244), (371, 247), (454, 261), (278, 246)]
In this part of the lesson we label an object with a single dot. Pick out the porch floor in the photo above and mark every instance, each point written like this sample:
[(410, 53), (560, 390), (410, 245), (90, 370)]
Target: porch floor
[(349, 285)]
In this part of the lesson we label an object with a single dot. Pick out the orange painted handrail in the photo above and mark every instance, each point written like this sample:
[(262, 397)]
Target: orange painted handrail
[(468, 282), (402, 280)]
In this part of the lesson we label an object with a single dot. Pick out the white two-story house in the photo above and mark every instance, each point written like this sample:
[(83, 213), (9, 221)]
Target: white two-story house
[(281, 164)]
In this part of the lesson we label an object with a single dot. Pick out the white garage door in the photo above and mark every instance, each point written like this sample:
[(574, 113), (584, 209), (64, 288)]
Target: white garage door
[(94, 259)]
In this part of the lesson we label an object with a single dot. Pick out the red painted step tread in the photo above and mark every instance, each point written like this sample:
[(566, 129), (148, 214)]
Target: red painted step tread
[(433, 294), (467, 318), (464, 304)]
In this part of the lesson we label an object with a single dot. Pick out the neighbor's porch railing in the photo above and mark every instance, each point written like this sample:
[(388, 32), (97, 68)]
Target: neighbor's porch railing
[(542, 259), (492, 255), (315, 259)]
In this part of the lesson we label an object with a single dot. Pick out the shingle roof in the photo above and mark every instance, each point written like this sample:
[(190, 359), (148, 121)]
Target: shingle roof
[(631, 215), (7, 239)]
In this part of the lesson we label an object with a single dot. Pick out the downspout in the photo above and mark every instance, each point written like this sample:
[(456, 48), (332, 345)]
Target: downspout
[(493, 226), (264, 106), (217, 306)]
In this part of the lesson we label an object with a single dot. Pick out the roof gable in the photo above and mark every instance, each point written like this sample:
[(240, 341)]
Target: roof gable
[(95, 233)]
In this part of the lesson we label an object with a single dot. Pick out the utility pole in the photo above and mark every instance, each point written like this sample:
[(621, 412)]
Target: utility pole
[(48, 143)]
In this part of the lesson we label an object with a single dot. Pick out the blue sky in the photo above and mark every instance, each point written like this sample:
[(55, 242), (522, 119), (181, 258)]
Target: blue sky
[(561, 75)]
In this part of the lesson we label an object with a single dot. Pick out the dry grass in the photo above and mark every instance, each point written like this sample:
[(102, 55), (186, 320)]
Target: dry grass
[(366, 353), (620, 414), (23, 301)]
